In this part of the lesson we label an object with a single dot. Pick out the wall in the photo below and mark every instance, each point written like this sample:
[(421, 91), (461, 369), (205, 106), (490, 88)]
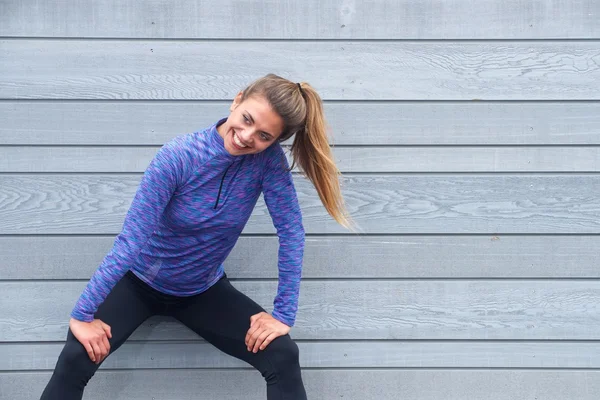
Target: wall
[(467, 132)]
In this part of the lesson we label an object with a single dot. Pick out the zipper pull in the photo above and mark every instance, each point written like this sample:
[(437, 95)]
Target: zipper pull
[(221, 186)]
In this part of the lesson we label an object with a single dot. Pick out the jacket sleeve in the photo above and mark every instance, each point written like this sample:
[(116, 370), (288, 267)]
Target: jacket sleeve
[(282, 202), (157, 186)]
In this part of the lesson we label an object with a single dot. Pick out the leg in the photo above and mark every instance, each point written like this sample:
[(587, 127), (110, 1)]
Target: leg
[(124, 309), (221, 315)]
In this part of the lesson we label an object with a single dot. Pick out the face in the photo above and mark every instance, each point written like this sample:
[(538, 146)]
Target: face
[(251, 127)]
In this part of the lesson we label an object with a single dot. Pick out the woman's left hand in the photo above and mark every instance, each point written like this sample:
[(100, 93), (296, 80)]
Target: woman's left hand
[(263, 330)]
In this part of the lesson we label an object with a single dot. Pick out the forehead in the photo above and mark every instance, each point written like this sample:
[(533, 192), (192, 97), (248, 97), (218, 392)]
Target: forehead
[(264, 117)]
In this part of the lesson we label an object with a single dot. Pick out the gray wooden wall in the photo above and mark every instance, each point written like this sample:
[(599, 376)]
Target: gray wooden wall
[(468, 135)]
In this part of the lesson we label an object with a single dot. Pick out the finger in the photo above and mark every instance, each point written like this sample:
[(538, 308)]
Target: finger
[(253, 319), (103, 350), (107, 330), (106, 345), (90, 351), (253, 323), (269, 339), (251, 332), (253, 337), (264, 332), (97, 353), (260, 340)]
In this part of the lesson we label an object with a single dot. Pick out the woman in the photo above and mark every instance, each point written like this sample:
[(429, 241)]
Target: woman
[(189, 210)]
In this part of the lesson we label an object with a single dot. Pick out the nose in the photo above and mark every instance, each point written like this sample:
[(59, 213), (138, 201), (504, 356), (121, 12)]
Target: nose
[(247, 134)]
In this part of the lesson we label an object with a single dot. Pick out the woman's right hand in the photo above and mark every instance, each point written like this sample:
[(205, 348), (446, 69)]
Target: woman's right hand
[(93, 336)]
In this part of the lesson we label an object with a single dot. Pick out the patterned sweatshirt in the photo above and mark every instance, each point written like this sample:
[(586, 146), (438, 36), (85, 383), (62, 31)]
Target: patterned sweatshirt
[(187, 214)]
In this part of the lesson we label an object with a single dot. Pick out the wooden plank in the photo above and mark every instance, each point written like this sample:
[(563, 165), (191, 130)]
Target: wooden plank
[(352, 123), (193, 70), (371, 309), (96, 204), (410, 384), (388, 354), (314, 19), (348, 159), (77, 257)]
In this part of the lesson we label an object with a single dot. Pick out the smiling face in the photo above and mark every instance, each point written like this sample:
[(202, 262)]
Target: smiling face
[(251, 127)]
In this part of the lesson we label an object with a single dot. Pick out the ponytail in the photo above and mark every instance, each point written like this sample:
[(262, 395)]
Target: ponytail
[(311, 151), (301, 109)]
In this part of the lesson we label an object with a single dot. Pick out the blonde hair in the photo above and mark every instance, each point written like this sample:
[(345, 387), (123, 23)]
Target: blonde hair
[(301, 109)]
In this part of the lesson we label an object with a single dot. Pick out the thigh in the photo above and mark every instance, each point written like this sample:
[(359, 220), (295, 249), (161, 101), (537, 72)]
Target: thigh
[(221, 315), (126, 307)]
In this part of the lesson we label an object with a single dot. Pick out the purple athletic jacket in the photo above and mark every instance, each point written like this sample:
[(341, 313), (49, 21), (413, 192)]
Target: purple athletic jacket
[(188, 212)]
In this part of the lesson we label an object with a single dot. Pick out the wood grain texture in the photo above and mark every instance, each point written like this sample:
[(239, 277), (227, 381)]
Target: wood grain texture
[(370, 309), (387, 354), (325, 384), (314, 19), (406, 314), (96, 204), (192, 70), (351, 123), (348, 159), (374, 257)]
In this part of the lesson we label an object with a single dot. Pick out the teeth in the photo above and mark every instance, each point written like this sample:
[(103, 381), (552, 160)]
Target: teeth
[(237, 141)]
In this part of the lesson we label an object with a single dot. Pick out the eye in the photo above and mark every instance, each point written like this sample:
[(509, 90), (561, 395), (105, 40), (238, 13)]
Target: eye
[(246, 119), (265, 137)]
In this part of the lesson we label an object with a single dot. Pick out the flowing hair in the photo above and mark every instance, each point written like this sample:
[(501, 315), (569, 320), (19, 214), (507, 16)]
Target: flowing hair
[(301, 109)]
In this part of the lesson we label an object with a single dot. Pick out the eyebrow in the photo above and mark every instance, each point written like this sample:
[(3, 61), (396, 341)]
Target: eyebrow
[(252, 119)]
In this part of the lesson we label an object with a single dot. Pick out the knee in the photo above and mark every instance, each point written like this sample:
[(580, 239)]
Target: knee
[(72, 373), (284, 356), (74, 361)]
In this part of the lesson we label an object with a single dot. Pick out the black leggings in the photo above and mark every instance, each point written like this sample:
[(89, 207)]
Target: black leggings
[(221, 315)]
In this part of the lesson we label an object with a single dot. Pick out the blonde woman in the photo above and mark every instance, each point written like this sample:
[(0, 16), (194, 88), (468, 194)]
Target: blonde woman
[(189, 210)]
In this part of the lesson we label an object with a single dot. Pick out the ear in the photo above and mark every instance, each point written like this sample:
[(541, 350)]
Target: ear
[(236, 102)]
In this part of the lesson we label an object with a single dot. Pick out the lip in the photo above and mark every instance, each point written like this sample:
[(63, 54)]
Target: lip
[(235, 146)]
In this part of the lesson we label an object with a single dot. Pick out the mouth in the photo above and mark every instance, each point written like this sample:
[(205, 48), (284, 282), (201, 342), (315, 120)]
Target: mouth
[(237, 143)]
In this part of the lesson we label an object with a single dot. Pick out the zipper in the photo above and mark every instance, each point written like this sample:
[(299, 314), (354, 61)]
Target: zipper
[(221, 186)]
